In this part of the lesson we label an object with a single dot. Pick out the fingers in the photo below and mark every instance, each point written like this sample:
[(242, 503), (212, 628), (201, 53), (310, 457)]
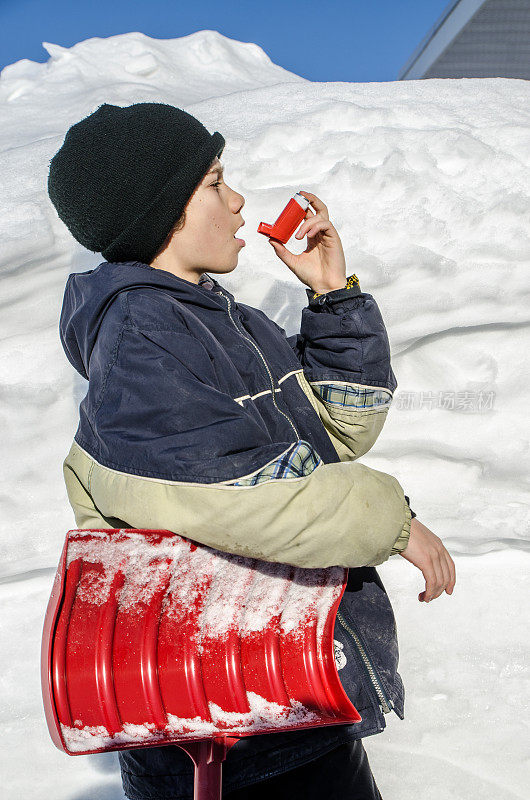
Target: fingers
[(440, 578), (311, 227), (446, 574), (440, 575), (429, 574), (317, 204), (452, 572)]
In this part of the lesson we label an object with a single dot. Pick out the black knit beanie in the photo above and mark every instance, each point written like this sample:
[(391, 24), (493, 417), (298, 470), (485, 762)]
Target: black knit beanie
[(123, 176)]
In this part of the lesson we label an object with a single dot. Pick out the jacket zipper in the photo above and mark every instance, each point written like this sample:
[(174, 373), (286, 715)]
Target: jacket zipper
[(289, 420), (384, 701)]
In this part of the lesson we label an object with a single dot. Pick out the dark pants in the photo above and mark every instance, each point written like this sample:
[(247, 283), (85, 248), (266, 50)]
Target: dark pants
[(342, 774)]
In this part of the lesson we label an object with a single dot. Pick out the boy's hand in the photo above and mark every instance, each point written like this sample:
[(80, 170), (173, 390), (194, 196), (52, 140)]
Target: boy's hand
[(322, 265), (426, 551)]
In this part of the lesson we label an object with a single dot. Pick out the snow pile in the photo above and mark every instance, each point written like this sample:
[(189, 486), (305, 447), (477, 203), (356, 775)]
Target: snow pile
[(427, 183)]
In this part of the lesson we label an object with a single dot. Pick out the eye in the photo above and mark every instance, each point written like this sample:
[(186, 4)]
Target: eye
[(216, 184)]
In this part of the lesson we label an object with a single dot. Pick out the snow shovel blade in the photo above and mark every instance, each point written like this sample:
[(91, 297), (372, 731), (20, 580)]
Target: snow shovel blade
[(152, 639)]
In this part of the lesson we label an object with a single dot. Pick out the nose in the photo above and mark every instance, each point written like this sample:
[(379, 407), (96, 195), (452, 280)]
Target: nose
[(240, 200)]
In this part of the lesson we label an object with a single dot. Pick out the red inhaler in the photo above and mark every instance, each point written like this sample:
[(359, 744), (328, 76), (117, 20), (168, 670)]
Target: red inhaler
[(288, 221)]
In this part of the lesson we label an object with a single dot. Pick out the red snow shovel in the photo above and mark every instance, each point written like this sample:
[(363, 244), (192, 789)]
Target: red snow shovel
[(150, 639)]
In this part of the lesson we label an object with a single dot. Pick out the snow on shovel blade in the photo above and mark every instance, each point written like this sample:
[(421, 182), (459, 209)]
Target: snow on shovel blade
[(152, 639)]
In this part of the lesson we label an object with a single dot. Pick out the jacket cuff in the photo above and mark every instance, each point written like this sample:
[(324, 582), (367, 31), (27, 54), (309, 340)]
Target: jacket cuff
[(318, 299), (403, 538)]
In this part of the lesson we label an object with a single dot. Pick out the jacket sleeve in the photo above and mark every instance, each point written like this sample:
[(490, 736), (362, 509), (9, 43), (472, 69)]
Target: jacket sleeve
[(211, 472), (344, 350)]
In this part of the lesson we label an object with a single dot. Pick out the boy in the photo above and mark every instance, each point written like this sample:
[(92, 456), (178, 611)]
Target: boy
[(203, 418)]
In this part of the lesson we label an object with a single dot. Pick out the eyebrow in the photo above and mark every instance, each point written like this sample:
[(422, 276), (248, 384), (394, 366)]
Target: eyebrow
[(220, 170)]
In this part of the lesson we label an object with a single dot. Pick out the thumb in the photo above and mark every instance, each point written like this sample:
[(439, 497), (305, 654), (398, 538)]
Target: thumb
[(283, 253)]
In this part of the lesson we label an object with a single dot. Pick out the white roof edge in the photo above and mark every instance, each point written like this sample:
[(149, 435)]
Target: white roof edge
[(437, 39)]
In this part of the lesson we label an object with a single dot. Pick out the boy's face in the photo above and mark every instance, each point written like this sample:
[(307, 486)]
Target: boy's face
[(206, 243)]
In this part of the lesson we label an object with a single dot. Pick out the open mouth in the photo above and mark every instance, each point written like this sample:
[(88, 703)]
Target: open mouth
[(240, 241)]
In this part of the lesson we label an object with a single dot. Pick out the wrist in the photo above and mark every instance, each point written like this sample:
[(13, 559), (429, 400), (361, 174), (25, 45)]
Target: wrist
[(317, 299), (350, 282), (329, 289)]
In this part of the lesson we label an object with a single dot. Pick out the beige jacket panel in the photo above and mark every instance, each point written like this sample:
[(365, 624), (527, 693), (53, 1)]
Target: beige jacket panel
[(352, 432), (342, 514)]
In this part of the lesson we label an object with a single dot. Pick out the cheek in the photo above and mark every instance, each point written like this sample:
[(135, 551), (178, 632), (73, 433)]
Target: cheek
[(220, 227)]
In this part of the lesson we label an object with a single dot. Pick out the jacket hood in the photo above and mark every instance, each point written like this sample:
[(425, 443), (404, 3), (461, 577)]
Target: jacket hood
[(88, 295)]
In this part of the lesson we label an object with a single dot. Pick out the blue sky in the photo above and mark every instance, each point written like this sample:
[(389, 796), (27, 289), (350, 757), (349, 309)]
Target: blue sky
[(350, 40)]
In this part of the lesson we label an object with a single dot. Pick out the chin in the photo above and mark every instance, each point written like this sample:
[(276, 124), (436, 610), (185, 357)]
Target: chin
[(222, 270), (217, 270)]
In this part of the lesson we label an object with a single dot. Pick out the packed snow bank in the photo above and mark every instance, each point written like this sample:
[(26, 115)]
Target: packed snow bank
[(427, 183)]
